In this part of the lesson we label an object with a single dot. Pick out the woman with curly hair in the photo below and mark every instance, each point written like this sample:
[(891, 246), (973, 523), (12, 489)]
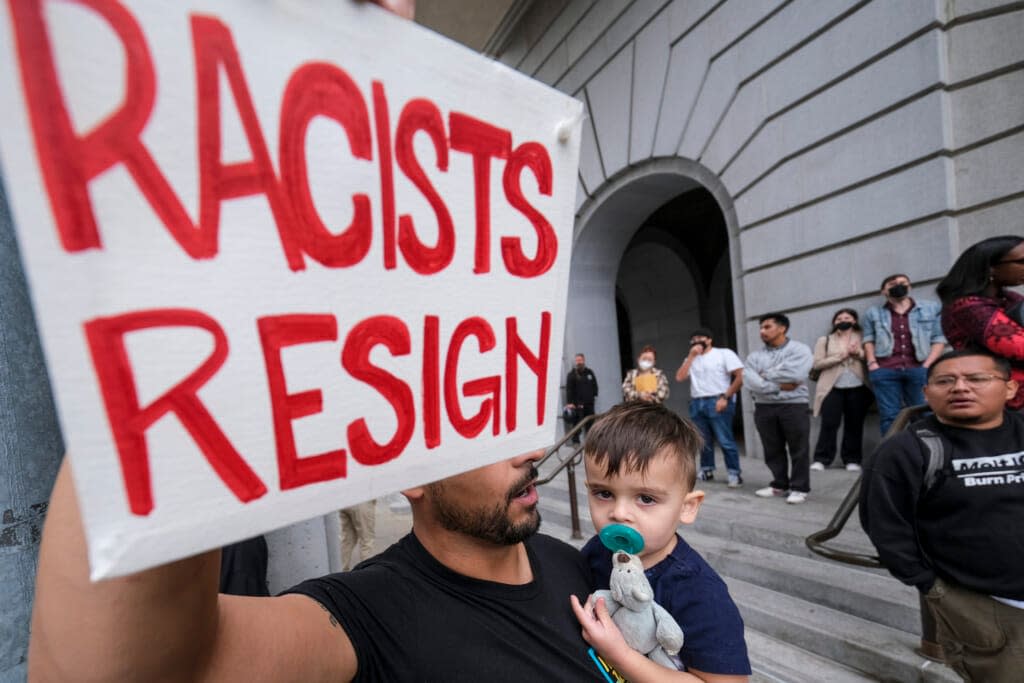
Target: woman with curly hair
[(979, 312)]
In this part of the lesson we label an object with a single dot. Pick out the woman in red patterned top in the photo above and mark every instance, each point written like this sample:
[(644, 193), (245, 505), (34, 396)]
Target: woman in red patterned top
[(978, 311)]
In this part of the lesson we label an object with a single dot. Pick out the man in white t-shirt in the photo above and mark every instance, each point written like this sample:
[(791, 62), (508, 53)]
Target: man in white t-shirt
[(716, 376)]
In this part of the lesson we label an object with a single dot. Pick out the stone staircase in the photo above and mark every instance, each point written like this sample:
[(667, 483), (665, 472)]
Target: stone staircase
[(807, 618)]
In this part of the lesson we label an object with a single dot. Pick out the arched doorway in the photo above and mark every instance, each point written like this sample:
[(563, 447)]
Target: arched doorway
[(673, 278), (655, 255)]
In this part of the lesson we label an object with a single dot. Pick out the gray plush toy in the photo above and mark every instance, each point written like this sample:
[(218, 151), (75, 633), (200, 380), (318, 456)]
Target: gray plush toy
[(646, 626)]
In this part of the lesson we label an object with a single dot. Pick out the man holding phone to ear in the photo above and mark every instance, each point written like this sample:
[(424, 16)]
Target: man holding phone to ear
[(716, 376)]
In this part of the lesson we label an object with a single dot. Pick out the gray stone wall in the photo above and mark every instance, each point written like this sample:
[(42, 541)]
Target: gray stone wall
[(849, 139)]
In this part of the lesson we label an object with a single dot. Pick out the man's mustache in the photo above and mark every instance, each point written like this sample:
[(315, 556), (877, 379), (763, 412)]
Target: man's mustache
[(527, 479)]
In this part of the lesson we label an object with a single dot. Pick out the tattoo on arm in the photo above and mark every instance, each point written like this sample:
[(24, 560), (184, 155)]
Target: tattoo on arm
[(334, 622)]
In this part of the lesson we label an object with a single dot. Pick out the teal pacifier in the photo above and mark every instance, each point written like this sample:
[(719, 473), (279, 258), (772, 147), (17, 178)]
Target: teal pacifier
[(620, 537)]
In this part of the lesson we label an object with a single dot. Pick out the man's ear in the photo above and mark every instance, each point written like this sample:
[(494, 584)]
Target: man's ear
[(1011, 389), (691, 505), (414, 494)]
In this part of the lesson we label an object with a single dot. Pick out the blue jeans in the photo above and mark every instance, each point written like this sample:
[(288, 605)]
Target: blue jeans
[(895, 390), (715, 427)]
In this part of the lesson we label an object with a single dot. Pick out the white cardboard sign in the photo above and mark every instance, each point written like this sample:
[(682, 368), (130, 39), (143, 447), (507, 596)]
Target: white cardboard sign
[(284, 256)]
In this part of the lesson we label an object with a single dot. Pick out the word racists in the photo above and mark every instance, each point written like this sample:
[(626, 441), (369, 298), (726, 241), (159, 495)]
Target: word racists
[(70, 160)]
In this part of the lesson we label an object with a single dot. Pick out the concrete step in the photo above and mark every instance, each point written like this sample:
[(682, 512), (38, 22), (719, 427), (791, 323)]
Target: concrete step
[(879, 652), (738, 515), (868, 595), (773, 661)]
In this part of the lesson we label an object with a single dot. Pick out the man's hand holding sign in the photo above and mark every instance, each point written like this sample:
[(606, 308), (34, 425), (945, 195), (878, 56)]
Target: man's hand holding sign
[(331, 248)]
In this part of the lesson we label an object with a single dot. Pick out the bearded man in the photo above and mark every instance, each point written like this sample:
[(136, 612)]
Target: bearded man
[(472, 593)]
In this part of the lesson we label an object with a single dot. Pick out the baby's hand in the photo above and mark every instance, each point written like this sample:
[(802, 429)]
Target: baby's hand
[(598, 628)]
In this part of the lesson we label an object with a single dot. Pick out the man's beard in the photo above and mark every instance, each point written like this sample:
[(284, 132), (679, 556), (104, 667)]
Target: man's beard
[(487, 524)]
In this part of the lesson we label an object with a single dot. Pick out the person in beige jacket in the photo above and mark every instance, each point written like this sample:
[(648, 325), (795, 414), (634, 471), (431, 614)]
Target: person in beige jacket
[(842, 394)]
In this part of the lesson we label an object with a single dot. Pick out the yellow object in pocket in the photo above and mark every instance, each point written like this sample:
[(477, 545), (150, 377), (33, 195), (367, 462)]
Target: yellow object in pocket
[(646, 382)]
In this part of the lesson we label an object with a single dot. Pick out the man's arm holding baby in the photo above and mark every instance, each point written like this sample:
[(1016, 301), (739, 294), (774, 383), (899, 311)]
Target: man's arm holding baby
[(600, 631), (167, 623)]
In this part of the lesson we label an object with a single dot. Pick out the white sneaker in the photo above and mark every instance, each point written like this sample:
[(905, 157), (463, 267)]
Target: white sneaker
[(769, 492), (853, 467), (817, 466), (796, 497)]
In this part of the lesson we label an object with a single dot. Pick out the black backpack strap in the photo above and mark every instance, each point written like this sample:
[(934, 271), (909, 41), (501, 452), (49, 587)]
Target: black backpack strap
[(936, 448)]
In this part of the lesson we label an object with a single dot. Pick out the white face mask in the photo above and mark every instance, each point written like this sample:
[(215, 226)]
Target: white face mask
[(646, 364)]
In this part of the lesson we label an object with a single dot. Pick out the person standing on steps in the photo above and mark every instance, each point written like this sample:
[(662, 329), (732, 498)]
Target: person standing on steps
[(716, 377), (776, 376), (645, 382), (942, 502), (902, 337), (979, 310), (358, 527), (580, 393), (841, 395)]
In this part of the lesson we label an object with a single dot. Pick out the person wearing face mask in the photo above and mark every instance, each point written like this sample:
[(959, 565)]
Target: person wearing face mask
[(580, 393), (841, 394), (645, 382), (978, 309), (902, 338), (716, 376)]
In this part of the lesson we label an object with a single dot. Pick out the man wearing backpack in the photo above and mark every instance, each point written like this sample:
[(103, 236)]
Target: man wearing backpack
[(943, 502)]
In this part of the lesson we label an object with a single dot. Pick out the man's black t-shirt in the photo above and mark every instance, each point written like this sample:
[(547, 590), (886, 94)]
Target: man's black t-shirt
[(410, 618)]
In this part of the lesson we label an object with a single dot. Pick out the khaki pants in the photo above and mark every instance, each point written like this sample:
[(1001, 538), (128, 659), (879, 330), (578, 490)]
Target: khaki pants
[(982, 639), (357, 524)]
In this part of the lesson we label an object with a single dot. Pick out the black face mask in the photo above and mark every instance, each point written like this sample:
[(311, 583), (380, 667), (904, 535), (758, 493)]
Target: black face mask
[(844, 326), (898, 291)]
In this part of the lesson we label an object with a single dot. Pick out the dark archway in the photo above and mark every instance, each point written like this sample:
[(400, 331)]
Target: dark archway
[(607, 224), (673, 277), (625, 338)]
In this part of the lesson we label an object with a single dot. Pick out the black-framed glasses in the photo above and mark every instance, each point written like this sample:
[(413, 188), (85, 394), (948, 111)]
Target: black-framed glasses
[(974, 381), (1018, 261)]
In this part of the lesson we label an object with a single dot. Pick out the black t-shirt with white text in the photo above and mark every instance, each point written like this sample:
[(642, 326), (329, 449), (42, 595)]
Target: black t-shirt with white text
[(410, 618)]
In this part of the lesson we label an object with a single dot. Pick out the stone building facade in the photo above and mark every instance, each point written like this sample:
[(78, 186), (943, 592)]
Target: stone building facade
[(840, 141)]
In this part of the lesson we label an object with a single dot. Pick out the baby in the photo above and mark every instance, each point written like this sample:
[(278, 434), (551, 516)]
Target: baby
[(640, 461)]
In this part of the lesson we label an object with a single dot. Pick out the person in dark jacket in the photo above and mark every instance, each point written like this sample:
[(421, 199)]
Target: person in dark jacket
[(942, 502), (580, 393), (243, 568)]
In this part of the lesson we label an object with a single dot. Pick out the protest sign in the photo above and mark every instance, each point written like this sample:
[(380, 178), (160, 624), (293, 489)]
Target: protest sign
[(284, 257)]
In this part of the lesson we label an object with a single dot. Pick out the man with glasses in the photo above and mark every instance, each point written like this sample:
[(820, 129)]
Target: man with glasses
[(943, 502)]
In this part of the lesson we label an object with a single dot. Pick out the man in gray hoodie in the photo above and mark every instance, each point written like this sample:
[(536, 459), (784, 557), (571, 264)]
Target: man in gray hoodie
[(776, 376)]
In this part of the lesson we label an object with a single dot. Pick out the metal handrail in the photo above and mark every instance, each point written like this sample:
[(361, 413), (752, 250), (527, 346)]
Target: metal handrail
[(816, 541), (569, 464), (552, 450)]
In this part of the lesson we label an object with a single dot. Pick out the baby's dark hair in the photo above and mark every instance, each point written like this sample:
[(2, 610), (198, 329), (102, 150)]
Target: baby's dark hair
[(626, 438)]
